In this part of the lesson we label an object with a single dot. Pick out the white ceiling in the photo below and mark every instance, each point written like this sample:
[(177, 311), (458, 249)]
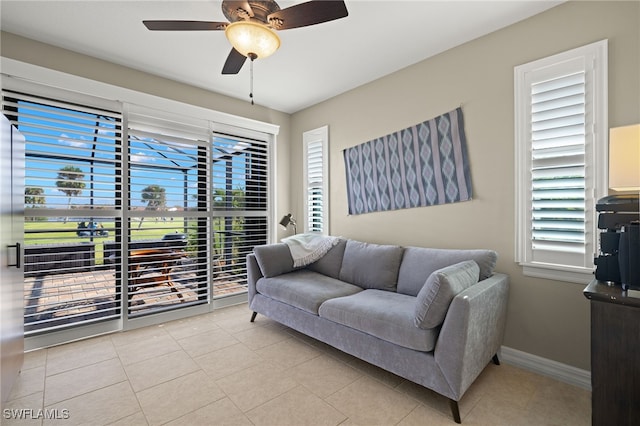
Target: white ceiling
[(313, 63)]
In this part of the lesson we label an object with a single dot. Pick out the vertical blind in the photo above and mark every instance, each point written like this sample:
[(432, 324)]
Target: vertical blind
[(72, 199), (558, 163)]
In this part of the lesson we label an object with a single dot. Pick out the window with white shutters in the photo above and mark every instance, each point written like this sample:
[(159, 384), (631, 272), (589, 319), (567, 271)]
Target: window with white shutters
[(73, 199), (561, 128), (315, 172)]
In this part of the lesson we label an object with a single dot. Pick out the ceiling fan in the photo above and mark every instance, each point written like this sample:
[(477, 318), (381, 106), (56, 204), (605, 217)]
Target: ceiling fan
[(252, 23)]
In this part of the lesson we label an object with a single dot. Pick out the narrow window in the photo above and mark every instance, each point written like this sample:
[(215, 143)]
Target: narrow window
[(315, 172), (561, 128)]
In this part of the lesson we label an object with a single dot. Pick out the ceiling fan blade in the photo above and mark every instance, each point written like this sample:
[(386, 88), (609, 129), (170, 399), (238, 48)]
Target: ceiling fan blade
[(234, 62), (185, 25), (309, 13)]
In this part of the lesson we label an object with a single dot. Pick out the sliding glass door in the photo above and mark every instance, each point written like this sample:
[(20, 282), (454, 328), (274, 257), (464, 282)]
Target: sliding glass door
[(73, 197), (169, 225), (133, 214)]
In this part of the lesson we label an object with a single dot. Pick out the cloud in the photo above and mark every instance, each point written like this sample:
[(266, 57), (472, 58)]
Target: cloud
[(69, 141), (141, 157)]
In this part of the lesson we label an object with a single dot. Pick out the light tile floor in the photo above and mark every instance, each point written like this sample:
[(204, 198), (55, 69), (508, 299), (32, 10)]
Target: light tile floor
[(220, 369)]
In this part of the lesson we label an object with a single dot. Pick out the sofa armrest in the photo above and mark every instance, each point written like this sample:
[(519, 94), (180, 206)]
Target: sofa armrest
[(472, 331), (253, 275)]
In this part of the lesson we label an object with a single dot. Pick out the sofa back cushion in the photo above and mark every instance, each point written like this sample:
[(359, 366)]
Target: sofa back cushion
[(274, 259), (372, 266), (419, 263), (433, 300), (331, 262)]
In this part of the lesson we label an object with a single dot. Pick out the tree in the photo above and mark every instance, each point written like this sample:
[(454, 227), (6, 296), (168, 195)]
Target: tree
[(34, 196), (70, 182), (155, 196)]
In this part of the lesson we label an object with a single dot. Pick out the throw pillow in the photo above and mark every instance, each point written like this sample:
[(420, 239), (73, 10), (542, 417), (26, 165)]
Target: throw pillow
[(371, 265), (273, 259), (432, 302), (331, 262), (418, 263)]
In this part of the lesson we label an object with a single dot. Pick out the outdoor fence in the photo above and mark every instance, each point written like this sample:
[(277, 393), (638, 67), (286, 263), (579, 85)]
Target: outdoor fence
[(59, 258)]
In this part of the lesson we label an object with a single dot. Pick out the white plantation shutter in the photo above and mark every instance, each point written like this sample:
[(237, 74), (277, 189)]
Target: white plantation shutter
[(316, 201), (240, 175), (560, 140), (314, 186), (72, 167), (168, 153)]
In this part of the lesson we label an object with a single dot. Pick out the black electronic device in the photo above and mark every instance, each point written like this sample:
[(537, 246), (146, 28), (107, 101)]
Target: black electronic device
[(629, 256), (619, 258), (619, 203)]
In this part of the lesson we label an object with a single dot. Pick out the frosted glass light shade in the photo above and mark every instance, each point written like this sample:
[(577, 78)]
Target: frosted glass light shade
[(624, 158), (252, 38)]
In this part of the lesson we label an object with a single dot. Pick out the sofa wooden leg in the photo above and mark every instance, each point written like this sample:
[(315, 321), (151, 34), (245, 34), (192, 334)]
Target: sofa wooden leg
[(455, 411), (496, 360), (253, 316)]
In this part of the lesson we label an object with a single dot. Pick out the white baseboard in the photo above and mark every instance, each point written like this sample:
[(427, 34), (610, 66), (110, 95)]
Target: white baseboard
[(546, 367)]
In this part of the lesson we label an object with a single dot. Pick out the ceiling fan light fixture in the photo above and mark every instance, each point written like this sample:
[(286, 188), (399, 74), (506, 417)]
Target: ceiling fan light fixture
[(251, 38)]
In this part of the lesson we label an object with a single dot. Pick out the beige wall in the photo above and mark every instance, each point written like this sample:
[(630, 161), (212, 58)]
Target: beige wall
[(29, 51), (546, 318)]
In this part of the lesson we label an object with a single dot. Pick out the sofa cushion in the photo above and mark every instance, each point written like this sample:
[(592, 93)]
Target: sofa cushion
[(419, 263), (371, 266), (432, 302), (304, 289), (331, 262), (383, 314), (274, 259)]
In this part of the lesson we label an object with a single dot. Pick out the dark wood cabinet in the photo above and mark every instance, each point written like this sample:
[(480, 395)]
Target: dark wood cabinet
[(615, 354)]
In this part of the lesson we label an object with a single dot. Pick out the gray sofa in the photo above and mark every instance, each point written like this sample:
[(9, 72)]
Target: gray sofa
[(433, 316)]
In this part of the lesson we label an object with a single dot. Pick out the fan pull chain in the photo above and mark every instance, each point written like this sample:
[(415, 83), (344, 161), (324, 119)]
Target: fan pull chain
[(251, 85), (252, 56)]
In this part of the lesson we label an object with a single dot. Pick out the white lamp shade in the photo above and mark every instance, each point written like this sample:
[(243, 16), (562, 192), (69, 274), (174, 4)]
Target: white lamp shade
[(624, 158), (252, 38)]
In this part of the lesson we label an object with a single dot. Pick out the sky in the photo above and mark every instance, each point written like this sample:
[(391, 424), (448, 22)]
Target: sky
[(58, 137)]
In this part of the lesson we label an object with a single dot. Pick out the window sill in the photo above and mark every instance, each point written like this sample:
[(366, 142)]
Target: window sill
[(573, 275)]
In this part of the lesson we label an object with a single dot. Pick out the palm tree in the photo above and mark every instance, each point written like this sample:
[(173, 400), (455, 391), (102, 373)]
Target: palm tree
[(70, 182), (156, 198), (34, 196)]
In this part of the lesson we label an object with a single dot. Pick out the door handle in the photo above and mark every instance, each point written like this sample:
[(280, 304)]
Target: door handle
[(17, 247)]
